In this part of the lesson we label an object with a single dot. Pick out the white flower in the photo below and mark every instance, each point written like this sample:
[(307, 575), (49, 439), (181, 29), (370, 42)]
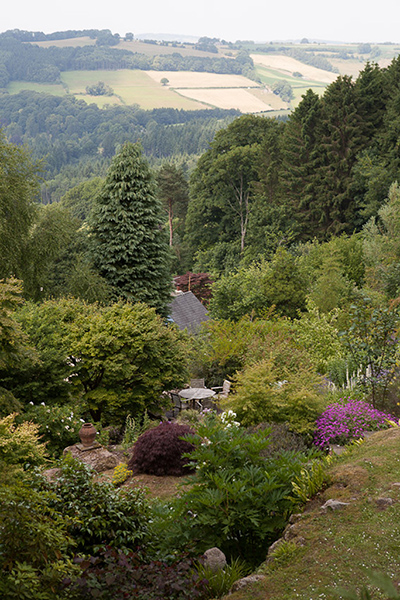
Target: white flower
[(31, 403), (82, 420), (67, 427), (43, 404)]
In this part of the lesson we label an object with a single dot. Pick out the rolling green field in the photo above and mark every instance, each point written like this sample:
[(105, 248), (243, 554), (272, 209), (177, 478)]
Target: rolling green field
[(130, 87), (56, 89)]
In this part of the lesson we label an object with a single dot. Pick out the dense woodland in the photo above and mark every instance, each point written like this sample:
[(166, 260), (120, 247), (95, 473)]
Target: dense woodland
[(290, 230), (77, 140)]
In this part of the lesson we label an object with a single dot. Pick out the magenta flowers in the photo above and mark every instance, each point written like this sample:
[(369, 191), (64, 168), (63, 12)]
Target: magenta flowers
[(348, 420)]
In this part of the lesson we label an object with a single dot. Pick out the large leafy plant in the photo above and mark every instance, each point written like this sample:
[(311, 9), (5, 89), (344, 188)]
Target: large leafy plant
[(237, 500)]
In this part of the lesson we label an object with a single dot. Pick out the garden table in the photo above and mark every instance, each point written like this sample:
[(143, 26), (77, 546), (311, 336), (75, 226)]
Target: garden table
[(196, 394)]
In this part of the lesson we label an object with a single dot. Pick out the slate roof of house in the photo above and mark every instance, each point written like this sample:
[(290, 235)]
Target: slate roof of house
[(187, 311)]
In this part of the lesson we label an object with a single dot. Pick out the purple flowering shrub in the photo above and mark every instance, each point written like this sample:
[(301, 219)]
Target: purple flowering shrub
[(348, 420)]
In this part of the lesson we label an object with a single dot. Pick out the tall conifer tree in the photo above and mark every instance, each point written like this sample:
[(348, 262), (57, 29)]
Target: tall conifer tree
[(130, 248)]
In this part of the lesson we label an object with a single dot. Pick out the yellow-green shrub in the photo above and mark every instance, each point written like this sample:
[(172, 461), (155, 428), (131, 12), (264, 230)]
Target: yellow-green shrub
[(265, 393), (20, 444)]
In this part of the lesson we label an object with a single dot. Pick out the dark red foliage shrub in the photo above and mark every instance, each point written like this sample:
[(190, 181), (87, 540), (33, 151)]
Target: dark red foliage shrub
[(113, 575), (159, 451), (198, 283)]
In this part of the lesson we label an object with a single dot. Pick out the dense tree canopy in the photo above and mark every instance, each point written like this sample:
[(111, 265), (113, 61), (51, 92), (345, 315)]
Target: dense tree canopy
[(18, 193), (129, 245), (115, 359)]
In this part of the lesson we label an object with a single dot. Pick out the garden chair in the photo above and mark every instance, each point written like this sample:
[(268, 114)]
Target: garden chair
[(197, 383)]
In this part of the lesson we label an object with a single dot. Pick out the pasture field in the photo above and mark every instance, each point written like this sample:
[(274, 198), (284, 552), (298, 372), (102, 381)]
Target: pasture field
[(157, 49), (347, 67), (267, 97), (191, 79), (70, 42), (301, 90), (269, 76), (130, 87), (56, 89)]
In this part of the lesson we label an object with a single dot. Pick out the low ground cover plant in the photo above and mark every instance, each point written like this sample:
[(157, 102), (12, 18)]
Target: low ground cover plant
[(348, 420), (115, 575)]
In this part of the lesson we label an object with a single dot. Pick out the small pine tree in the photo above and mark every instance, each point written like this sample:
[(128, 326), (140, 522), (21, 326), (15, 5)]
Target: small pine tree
[(130, 248)]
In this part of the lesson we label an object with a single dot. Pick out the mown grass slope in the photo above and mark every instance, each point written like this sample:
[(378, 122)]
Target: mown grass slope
[(340, 546)]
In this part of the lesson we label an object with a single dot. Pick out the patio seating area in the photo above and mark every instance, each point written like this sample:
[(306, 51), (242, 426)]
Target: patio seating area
[(197, 397)]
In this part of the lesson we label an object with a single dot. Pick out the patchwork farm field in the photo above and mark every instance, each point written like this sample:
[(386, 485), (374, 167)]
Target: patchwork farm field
[(189, 90), (221, 91), (191, 79), (228, 98), (130, 87)]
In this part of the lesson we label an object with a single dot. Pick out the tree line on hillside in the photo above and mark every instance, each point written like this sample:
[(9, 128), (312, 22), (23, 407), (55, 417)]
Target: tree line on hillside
[(77, 140), (324, 172), (20, 61)]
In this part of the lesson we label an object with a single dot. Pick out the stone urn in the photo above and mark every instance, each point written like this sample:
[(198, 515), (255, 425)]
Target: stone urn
[(87, 434)]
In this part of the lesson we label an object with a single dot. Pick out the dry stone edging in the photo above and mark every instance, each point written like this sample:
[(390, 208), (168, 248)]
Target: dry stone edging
[(245, 582), (96, 456), (333, 505)]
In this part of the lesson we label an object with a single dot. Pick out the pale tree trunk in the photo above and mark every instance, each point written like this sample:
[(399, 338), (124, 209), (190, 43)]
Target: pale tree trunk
[(242, 209), (170, 216)]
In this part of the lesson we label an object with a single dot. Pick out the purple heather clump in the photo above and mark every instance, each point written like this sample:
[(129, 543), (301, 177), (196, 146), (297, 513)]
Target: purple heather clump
[(348, 420)]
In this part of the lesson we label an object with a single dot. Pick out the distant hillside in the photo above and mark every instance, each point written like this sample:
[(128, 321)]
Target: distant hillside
[(67, 62)]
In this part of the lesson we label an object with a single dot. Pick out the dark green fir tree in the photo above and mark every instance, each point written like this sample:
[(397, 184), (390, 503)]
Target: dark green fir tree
[(130, 248)]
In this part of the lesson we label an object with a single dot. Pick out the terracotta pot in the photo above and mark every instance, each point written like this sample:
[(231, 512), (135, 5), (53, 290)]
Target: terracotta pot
[(87, 434)]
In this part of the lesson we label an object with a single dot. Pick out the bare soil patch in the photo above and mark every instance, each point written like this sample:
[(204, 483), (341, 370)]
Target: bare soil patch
[(156, 487)]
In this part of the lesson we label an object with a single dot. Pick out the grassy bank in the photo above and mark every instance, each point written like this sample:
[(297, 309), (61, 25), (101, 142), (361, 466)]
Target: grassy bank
[(334, 549)]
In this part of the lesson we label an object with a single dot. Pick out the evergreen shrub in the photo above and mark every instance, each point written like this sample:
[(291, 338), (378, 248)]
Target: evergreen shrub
[(97, 513), (159, 451)]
